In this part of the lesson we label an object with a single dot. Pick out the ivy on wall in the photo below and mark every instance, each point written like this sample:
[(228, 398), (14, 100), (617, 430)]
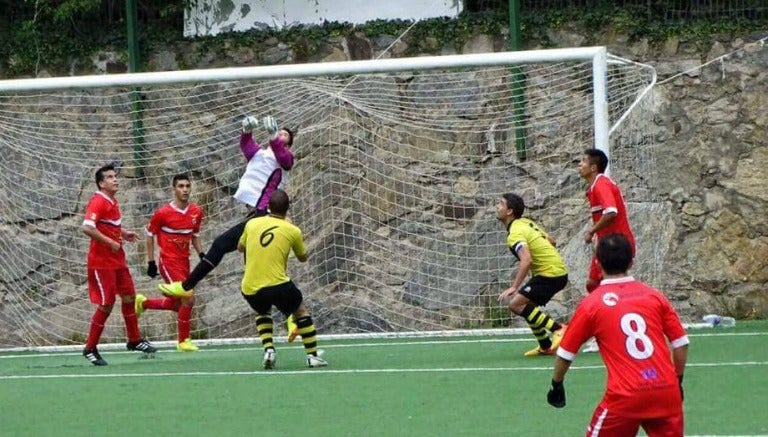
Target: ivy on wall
[(57, 34)]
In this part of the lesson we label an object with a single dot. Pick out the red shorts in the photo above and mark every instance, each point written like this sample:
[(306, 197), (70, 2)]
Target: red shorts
[(173, 269), (105, 284), (605, 424)]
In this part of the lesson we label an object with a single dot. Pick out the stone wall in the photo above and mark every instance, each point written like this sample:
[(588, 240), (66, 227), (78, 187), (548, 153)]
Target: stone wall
[(708, 216), (711, 149)]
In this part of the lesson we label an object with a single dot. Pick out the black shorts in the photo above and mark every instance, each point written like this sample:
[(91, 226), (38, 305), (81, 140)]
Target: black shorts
[(541, 289), (286, 297)]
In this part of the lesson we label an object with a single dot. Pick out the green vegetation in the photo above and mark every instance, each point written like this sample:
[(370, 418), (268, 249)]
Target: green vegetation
[(62, 35)]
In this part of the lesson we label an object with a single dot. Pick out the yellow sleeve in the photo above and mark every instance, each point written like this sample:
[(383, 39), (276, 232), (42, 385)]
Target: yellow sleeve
[(298, 244), (244, 238)]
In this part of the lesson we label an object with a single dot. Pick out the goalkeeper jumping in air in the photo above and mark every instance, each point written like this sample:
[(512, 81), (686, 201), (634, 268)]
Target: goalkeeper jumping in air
[(267, 170)]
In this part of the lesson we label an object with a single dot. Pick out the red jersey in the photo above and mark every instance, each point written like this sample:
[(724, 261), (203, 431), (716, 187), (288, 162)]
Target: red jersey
[(605, 197), (632, 323), (103, 213), (175, 228)]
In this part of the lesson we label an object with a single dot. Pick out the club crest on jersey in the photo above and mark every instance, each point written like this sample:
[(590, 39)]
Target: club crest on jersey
[(610, 299)]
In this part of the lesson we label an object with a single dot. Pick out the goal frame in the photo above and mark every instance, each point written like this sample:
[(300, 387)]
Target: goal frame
[(598, 55)]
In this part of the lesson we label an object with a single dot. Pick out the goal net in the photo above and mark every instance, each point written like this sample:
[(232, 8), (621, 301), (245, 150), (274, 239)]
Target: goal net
[(399, 166)]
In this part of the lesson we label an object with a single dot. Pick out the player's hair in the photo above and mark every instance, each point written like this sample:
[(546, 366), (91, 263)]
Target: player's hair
[(279, 202), (599, 158), (515, 203), (614, 252), (180, 177), (100, 172), (291, 133)]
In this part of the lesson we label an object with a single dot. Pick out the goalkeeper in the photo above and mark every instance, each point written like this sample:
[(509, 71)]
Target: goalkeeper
[(266, 171)]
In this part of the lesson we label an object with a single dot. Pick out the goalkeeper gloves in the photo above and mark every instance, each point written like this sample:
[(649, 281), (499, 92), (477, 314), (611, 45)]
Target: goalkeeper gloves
[(151, 269), (270, 124), (556, 394), (249, 123)]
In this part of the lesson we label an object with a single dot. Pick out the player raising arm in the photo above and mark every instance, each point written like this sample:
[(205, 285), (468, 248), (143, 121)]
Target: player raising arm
[(175, 225), (632, 323), (266, 171), (108, 273), (539, 257), (266, 242)]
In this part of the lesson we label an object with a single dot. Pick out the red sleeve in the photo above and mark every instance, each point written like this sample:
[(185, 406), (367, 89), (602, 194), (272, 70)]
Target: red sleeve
[(673, 327), (199, 223), (605, 197), (93, 211), (155, 222), (579, 331)]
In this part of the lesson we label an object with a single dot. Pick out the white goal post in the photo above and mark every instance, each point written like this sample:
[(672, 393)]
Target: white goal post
[(399, 165)]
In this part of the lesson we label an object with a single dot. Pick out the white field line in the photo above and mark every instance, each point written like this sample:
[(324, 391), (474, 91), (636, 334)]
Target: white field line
[(347, 371), (256, 345)]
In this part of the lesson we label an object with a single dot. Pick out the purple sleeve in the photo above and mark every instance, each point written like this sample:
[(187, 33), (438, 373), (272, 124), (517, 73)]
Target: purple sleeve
[(248, 146), (282, 154)]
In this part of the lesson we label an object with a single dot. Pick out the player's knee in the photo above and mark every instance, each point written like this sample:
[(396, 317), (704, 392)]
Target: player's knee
[(105, 308)]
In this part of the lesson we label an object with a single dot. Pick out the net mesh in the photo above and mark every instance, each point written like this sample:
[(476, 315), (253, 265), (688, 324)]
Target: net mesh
[(395, 188)]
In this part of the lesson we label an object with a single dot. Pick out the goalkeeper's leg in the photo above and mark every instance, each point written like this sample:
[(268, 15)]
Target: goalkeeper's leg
[(223, 244)]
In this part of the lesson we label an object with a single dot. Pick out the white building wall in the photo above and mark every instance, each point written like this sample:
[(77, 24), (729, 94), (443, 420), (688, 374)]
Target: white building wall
[(211, 17)]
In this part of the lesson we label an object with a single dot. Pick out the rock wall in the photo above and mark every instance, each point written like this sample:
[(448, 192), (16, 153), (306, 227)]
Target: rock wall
[(709, 201)]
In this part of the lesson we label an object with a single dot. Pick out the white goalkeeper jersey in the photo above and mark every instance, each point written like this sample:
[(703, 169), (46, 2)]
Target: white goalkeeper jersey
[(263, 175)]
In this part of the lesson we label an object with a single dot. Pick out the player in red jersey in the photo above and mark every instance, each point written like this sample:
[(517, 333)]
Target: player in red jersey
[(632, 323), (108, 273), (606, 204), (175, 225)]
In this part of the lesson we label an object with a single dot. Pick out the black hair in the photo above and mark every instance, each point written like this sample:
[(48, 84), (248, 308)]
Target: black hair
[(279, 202), (290, 135), (599, 158), (100, 173), (614, 252), (515, 203), (180, 177)]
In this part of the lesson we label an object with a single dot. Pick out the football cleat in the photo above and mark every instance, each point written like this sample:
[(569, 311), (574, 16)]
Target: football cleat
[(141, 346), (174, 289), (269, 359), (139, 304), (315, 361), (538, 351), (94, 357), (187, 346), (293, 330), (557, 336)]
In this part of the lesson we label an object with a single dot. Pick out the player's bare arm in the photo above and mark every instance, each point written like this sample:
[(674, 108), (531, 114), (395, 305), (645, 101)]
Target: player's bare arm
[(604, 221), (129, 236), (198, 245), (95, 234), (241, 247), (150, 248), (525, 267)]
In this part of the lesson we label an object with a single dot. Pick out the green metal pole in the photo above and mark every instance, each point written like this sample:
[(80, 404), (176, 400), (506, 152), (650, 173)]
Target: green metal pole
[(139, 152), (518, 86)]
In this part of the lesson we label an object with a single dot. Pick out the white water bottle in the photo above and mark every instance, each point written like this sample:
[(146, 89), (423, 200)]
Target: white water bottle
[(712, 319), (718, 320)]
